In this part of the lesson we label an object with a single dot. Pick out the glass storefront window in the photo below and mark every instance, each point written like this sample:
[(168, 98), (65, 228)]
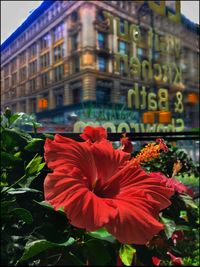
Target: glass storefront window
[(76, 95), (59, 100), (102, 95)]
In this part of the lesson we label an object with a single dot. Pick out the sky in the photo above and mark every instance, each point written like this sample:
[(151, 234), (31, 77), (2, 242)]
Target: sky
[(13, 13)]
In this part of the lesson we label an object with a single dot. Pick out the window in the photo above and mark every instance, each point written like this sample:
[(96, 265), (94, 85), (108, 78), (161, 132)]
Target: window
[(76, 95), (13, 65), (122, 68), (122, 27), (58, 32), (6, 70), (44, 61), (13, 92), (122, 47), (22, 74), (22, 58), (75, 41), (100, 15), (59, 100), (58, 53), (101, 37), (74, 16), (22, 90), (23, 106), (102, 95), (33, 68), (123, 97), (102, 63), (33, 105), (6, 84), (14, 79), (76, 64), (32, 85), (44, 79), (58, 73), (32, 51), (140, 53), (45, 42)]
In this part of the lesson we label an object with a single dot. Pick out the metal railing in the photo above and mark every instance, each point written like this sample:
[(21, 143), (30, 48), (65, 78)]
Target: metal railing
[(169, 136)]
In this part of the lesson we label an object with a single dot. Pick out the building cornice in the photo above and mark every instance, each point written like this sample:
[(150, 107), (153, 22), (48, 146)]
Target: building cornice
[(32, 18)]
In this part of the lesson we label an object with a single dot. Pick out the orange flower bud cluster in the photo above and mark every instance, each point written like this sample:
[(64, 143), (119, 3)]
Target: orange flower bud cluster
[(148, 153)]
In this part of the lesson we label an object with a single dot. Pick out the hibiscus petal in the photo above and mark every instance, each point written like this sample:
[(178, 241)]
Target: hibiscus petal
[(139, 201), (93, 134), (82, 207), (66, 153), (108, 160), (134, 223)]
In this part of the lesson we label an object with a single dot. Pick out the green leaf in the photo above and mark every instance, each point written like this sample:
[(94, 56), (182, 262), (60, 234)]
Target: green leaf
[(97, 252), (26, 182), (13, 118), (8, 159), (189, 202), (48, 206), (170, 226), (34, 165), (35, 145), (183, 228), (35, 247), (41, 166), (15, 191), (126, 253), (17, 154), (23, 214), (102, 234), (50, 136), (7, 206), (18, 135), (44, 204)]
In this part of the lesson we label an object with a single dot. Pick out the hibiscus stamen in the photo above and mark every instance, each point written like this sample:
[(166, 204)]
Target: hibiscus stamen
[(94, 184)]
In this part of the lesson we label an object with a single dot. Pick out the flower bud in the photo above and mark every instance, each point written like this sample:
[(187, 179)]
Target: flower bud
[(7, 113)]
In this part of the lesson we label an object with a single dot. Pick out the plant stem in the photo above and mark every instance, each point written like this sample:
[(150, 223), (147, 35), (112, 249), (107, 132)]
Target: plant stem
[(20, 179)]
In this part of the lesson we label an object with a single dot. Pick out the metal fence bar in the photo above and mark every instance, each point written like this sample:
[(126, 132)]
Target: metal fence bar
[(170, 136)]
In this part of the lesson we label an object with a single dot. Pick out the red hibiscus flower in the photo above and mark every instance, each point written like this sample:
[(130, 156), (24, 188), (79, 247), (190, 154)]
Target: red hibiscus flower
[(162, 144), (93, 134), (156, 261), (174, 259), (177, 235), (126, 144), (99, 187), (173, 183)]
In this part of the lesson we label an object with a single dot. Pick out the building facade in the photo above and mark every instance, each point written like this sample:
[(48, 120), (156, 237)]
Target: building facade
[(76, 61)]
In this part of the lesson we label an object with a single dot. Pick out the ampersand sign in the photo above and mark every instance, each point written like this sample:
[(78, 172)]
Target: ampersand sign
[(179, 103)]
